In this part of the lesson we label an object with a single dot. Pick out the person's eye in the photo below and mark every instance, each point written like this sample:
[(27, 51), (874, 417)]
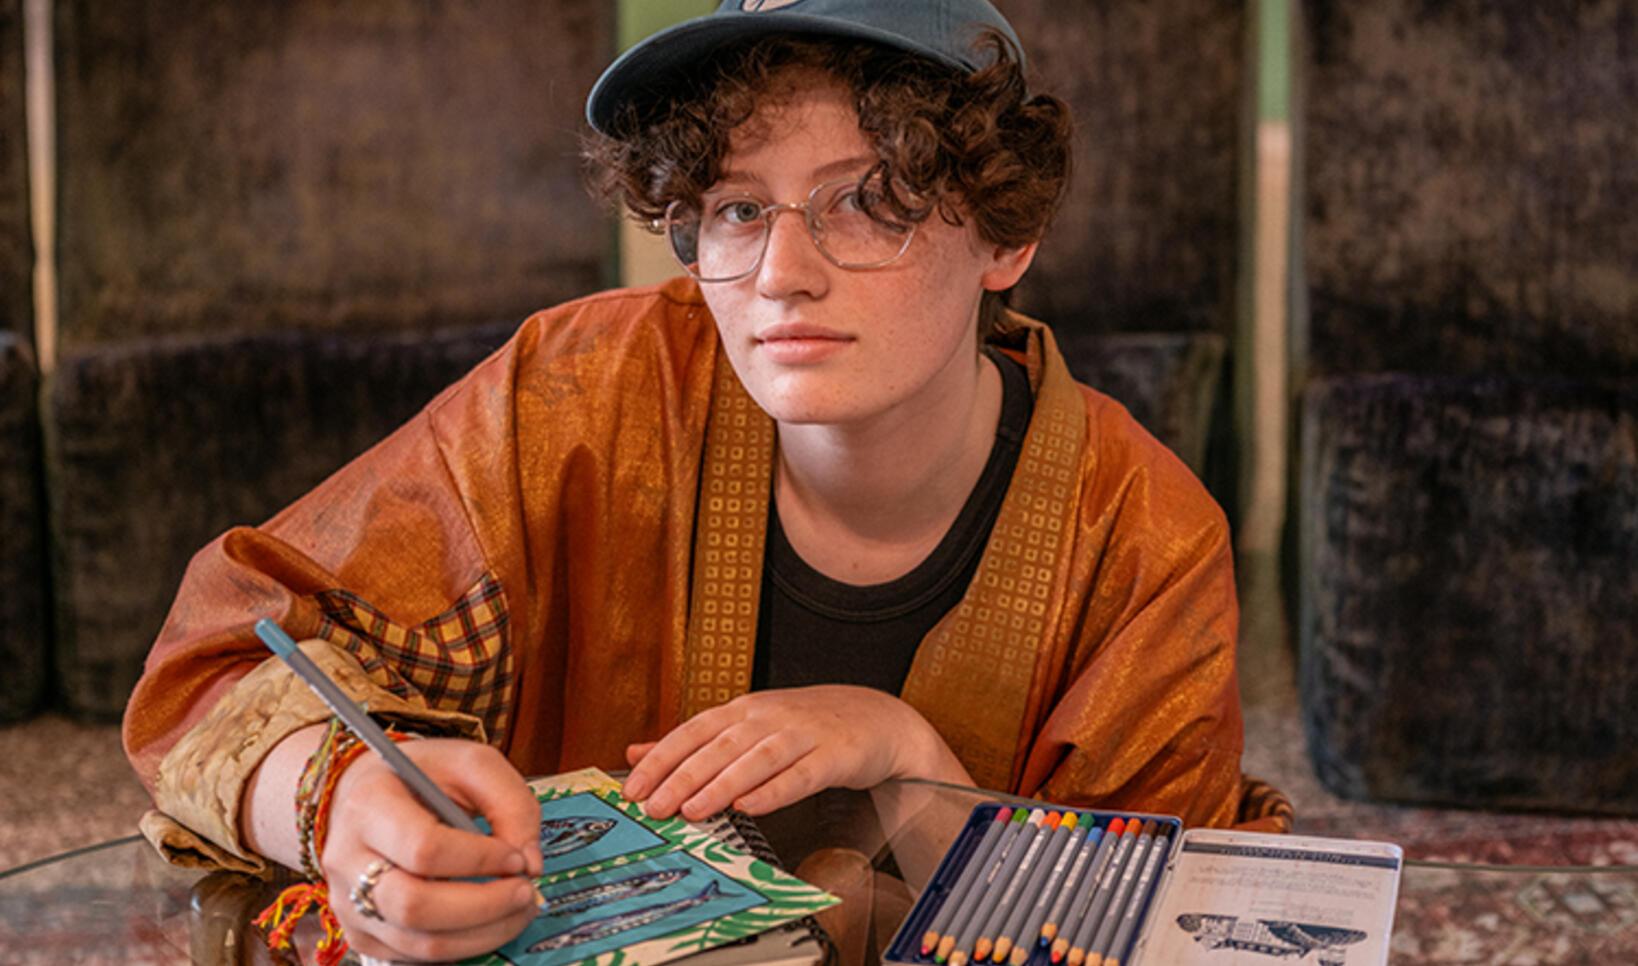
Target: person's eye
[(738, 212), (849, 202)]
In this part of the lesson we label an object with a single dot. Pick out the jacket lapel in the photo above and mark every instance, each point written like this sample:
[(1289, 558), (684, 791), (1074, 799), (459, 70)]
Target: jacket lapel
[(973, 676), (729, 530)]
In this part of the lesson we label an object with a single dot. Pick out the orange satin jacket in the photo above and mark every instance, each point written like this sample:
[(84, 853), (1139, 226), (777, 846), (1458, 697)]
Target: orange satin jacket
[(565, 548)]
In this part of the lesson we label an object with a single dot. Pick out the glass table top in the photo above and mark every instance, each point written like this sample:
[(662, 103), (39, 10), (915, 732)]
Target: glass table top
[(118, 902)]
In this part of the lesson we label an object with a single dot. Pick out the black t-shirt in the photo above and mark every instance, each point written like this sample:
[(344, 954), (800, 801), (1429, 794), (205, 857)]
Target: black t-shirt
[(815, 630)]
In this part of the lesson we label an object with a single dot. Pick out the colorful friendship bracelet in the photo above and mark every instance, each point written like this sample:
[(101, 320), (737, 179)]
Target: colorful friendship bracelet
[(315, 793)]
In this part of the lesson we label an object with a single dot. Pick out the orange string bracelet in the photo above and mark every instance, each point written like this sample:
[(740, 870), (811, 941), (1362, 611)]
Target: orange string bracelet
[(280, 919)]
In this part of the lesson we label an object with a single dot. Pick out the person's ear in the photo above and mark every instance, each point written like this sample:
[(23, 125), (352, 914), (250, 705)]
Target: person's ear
[(1007, 266)]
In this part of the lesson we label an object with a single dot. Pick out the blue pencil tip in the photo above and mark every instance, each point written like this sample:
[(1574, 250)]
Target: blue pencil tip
[(275, 638)]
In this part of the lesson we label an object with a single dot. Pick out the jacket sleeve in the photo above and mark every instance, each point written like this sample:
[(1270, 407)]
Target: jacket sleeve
[(382, 575), (1144, 711), (488, 569)]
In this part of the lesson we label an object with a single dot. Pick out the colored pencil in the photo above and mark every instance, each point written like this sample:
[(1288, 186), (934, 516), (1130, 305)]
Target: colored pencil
[(977, 864), (973, 932), (1012, 927), (1116, 950), (967, 921), (1029, 932), (1014, 884), (1088, 887), (1098, 901), (1106, 915), (1066, 890)]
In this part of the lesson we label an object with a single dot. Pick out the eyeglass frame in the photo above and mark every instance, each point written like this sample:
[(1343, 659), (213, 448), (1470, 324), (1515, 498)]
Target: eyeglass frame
[(767, 215)]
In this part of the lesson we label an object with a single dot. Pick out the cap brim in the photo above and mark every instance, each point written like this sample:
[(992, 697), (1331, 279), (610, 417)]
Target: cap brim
[(653, 67)]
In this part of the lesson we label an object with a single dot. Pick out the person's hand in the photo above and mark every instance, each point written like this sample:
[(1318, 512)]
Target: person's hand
[(765, 750), (427, 912)]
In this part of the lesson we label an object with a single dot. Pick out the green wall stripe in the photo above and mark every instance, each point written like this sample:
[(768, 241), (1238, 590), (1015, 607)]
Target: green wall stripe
[(639, 18)]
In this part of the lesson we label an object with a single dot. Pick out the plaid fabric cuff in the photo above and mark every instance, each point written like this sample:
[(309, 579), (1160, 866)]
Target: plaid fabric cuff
[(459, 660)]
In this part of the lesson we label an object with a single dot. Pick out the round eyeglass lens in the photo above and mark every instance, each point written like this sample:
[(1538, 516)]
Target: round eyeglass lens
[(851, 233), (722, 244)]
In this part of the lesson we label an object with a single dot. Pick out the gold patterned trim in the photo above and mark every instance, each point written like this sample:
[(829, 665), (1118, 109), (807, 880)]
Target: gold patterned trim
[(972, 678), (729, 533)]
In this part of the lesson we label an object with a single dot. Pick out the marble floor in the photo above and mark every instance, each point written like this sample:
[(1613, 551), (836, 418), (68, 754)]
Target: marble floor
[(63, 785)]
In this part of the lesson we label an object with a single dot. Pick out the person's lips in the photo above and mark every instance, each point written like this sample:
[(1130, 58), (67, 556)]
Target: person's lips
[(794, 343)]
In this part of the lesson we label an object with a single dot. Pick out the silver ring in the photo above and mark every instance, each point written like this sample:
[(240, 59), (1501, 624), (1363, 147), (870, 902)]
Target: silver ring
[(363, 894)]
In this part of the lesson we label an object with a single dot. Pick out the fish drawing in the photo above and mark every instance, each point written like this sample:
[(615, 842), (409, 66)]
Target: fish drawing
[(1276, 938), (560, 836), (590, 897), (620, 922)]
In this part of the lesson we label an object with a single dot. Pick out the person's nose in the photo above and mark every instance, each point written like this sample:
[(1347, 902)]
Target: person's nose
[(792, 264)]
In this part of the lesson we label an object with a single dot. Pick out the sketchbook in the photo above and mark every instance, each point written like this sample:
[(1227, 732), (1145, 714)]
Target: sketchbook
[(801, 942), (1151, 894), (621, 887)]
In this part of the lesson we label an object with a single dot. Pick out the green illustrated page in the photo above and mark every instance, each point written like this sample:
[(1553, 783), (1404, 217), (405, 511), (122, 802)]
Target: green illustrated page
[(623, 888)]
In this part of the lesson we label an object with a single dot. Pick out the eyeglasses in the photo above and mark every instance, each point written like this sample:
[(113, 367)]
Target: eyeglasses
[(728, 240)]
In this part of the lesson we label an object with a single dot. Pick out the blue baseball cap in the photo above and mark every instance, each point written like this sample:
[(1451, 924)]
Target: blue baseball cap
[(944, 31)]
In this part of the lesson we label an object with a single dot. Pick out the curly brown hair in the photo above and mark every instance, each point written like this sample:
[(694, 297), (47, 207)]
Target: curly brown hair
[(976, 145)]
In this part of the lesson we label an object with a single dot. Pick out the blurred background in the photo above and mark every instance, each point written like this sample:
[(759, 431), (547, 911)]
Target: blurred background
[(1368, 267)]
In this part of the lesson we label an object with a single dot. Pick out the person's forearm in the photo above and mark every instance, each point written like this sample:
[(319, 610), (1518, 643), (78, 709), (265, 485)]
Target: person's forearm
[(267, 814)]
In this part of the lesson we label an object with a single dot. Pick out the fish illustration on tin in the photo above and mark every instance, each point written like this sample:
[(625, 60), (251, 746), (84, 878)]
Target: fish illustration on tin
[(590, 897), (1277, 938), (560, 836), (621, 922)]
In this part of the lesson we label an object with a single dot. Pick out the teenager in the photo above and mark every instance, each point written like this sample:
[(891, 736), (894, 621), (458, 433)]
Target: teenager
[(820, 512)]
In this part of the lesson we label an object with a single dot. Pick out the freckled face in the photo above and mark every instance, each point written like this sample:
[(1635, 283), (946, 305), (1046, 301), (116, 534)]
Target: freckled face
[(814, 343)]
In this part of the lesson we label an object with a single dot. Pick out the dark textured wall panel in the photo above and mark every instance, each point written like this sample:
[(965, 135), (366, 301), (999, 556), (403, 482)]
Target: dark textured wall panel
[(156, 448), (1147, 236), (22, 538), (1471, 186), (375, 163), (16, 246), (1470, 599)]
